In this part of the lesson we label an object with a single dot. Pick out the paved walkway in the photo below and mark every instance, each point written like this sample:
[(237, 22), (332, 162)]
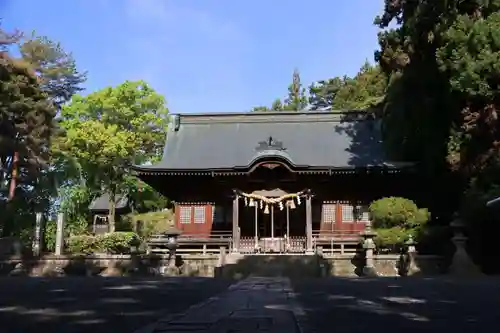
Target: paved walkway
[(256, 304), (260, 304)]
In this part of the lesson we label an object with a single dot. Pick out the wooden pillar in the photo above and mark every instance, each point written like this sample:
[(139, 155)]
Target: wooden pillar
[(287, 226), (272, 222), (236, 234), (256, 226), (309, 240)]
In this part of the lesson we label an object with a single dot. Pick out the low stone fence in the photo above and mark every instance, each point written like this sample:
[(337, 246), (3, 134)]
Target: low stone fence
[(109, 265), (213, 265), (385, 265)]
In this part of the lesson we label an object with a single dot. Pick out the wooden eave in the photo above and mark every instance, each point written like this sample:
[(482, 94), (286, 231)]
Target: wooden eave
[(233, 172)]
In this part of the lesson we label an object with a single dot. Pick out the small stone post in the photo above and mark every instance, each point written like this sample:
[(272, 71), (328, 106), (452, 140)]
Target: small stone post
[(412, 267), (222, 257), (321, 262), (38, 237), (221, 262), (461, 264), (369, 245), (60, 234)]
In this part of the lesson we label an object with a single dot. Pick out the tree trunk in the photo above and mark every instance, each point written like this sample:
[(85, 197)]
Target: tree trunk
[(13, 179), (111, 213)]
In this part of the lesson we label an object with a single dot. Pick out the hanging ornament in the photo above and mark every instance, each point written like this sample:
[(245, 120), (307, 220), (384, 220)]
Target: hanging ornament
[(281, 205), (292, 204), (251, 203), (261, 204), (298, 200), (266, 211), (246, 201)]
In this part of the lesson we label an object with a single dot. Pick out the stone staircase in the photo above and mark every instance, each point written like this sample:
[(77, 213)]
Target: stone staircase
[(292, 266)]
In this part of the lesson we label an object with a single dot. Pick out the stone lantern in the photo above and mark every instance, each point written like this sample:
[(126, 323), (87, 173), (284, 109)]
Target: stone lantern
[(172, 234), (412, 267), (461, 264), (369, 245)]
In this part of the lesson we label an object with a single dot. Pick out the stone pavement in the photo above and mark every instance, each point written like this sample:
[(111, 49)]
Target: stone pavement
[(256, 304), (96, 304)]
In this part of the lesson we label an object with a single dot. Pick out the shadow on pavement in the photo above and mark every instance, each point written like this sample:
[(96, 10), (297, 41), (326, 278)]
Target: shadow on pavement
[(96, 304), (396, 304)]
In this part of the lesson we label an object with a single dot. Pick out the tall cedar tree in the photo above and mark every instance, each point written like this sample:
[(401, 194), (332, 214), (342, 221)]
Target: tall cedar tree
[(26, 123), (443, 64), (296, 99)]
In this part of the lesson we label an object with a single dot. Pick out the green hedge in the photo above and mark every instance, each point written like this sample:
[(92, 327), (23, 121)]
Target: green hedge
[(120, 242)]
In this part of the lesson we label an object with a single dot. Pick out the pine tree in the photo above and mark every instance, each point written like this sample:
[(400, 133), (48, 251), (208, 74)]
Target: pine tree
[(56, 68)]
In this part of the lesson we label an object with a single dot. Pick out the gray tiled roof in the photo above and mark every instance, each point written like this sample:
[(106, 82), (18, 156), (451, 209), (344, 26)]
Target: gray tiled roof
[(308, 139), (102, 203)]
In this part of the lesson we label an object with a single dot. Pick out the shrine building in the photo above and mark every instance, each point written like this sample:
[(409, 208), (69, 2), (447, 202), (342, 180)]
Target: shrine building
[(275, 181)]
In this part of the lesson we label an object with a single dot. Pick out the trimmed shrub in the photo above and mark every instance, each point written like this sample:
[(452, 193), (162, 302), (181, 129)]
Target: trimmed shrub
[(397, 212), (394, 220), (119, 242), (392, 239), (84, 244)]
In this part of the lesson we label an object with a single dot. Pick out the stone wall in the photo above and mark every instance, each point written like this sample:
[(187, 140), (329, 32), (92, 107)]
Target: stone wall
[(210, 265), (385, 265), (109, 265)]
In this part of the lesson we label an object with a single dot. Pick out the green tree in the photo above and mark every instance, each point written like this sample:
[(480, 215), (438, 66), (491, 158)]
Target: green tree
[(322, 93), (442, 61), (277, 105), (260, 109), (8, 38), (59, 78), (111, 129), (55, 67), (26, 129), (297, 98), (365, 90)]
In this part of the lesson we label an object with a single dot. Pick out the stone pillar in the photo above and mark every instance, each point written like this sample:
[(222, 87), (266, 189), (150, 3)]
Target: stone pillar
[(60, 234), (461, 264), (222, 256), (369, 245), (309, 239), (412, 266), (221, 262), (236, 234), (37, 244)]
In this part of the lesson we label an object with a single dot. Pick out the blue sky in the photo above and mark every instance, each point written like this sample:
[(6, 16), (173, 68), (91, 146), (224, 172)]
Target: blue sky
[(206, 55)]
